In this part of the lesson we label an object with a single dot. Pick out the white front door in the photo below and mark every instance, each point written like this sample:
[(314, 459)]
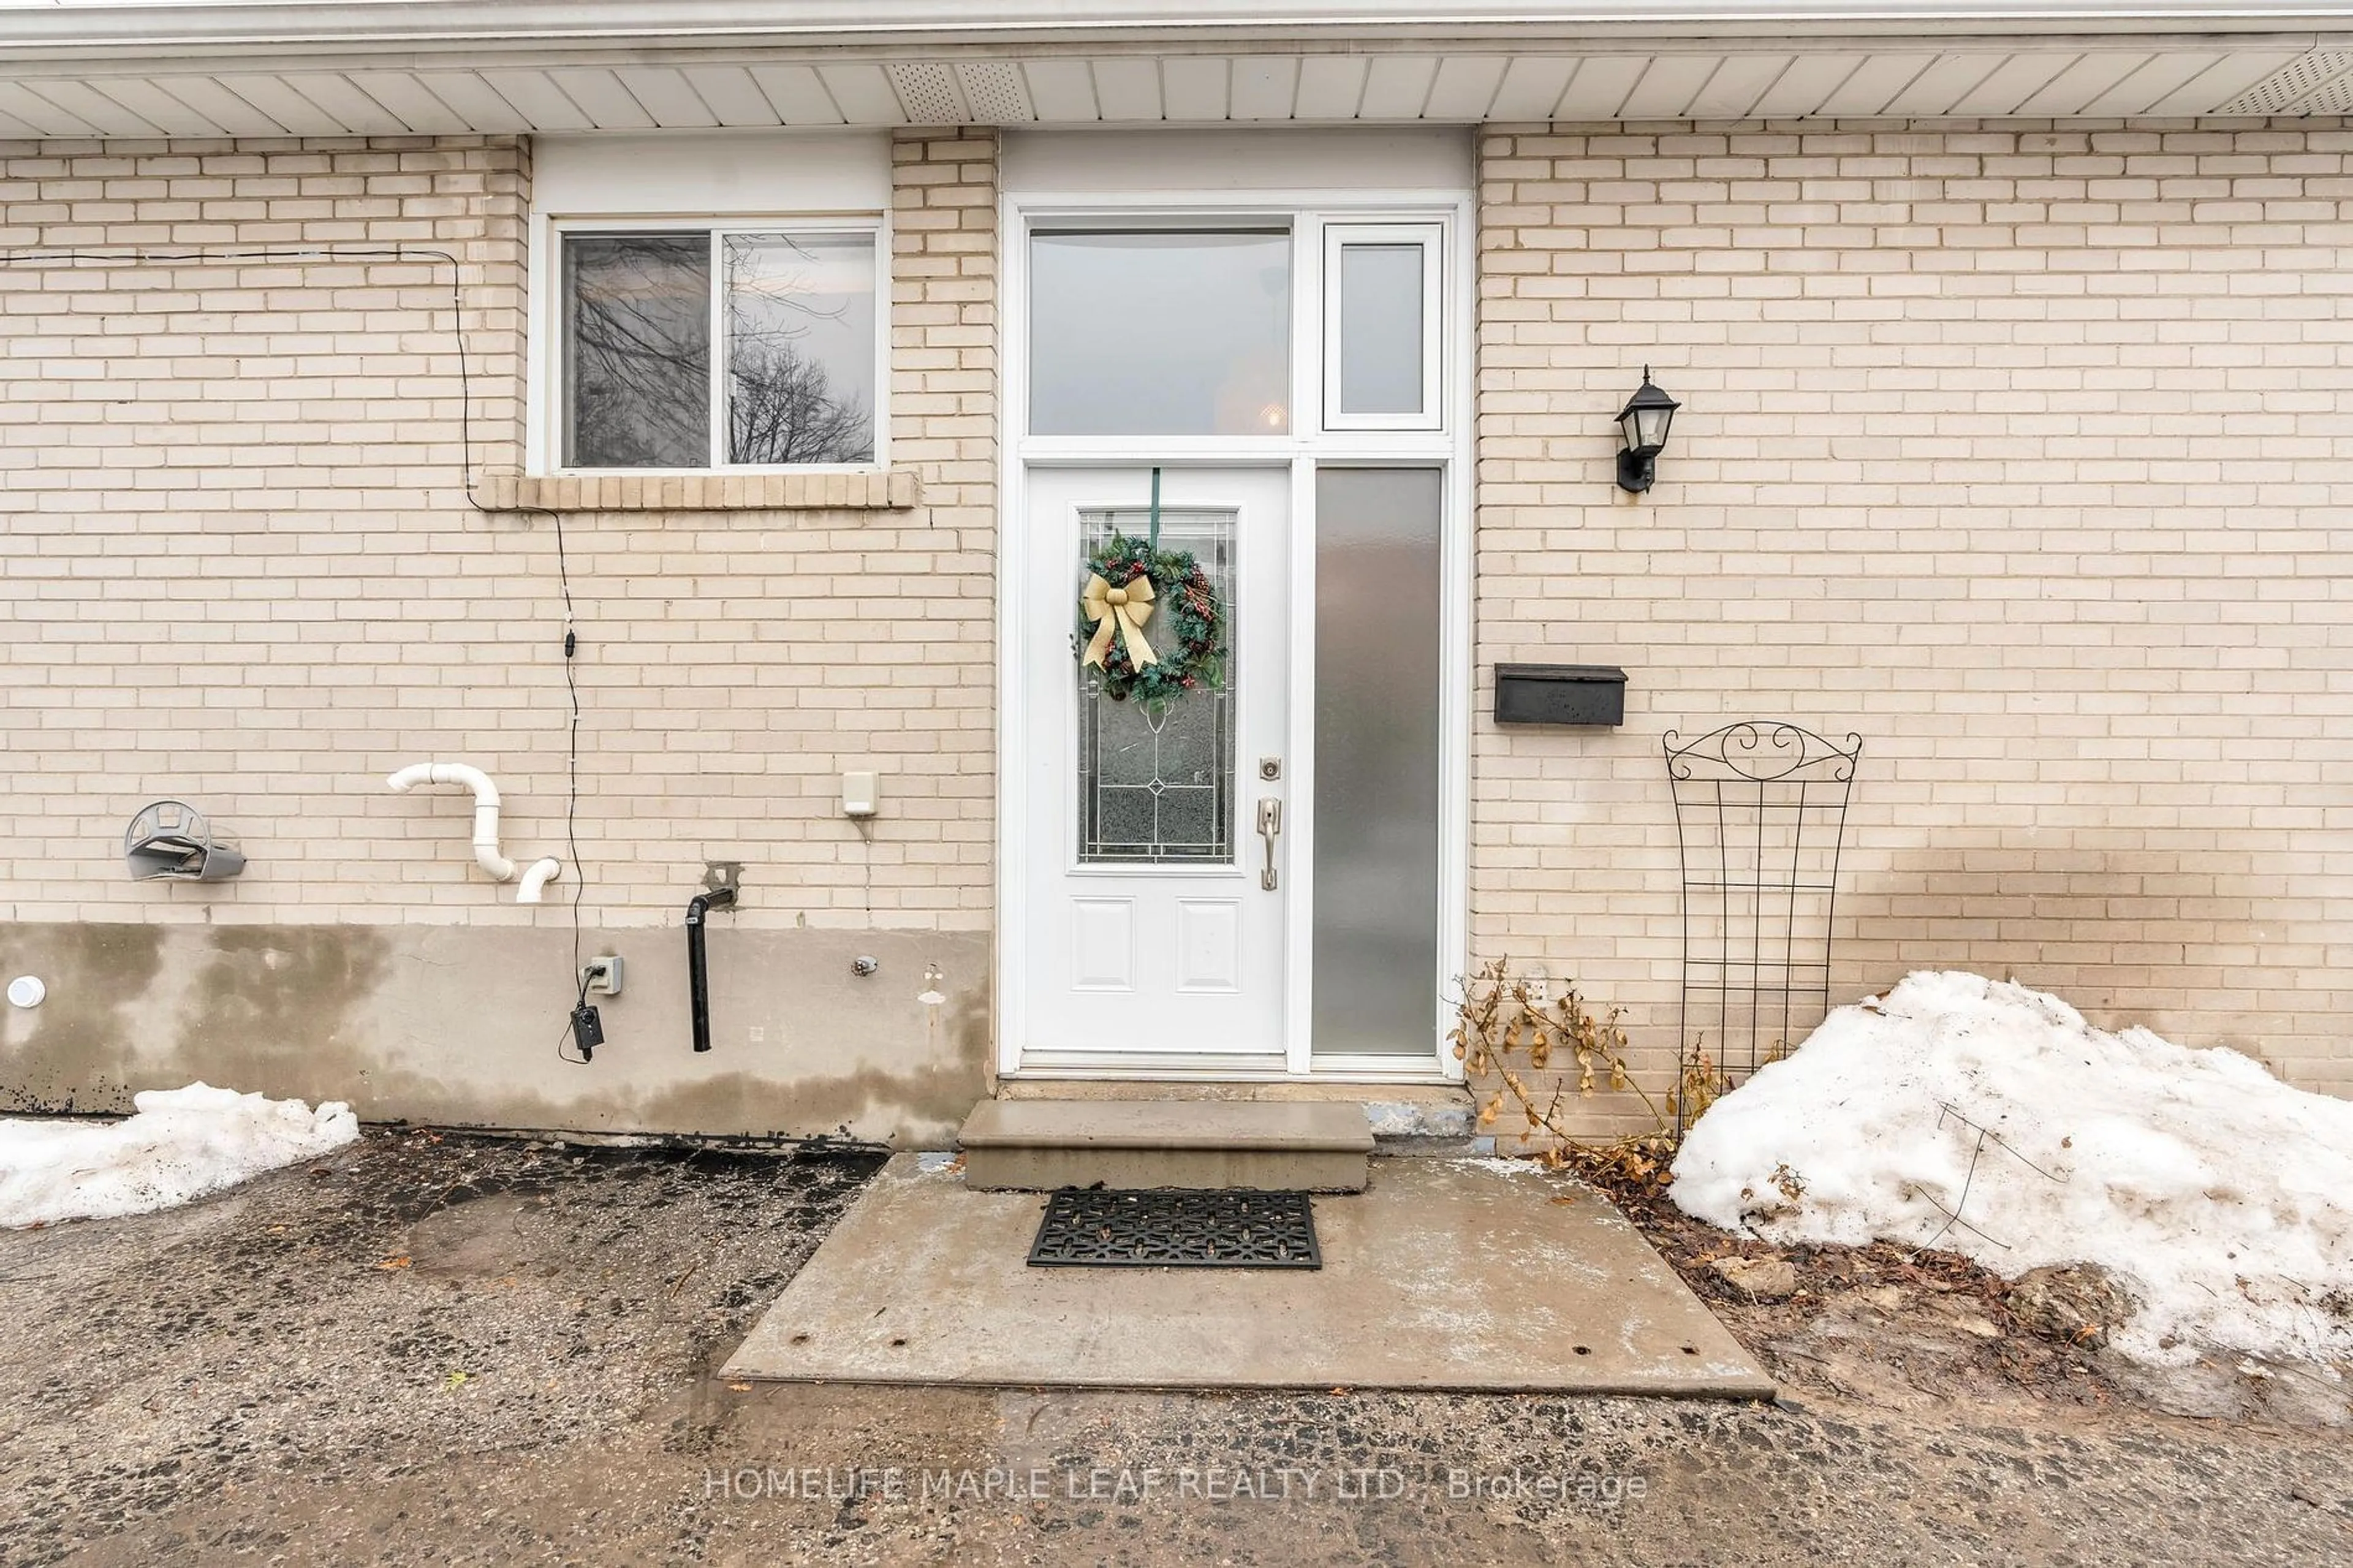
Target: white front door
[(1155, 879)]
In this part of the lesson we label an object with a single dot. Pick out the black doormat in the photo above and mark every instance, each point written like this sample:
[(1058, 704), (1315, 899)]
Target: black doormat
[(1177, 1228)]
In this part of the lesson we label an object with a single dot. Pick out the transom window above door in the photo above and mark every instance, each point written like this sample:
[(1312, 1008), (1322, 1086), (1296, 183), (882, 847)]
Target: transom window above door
[(1286, 326), (713, 347), (1381, 315), (1160, 333)]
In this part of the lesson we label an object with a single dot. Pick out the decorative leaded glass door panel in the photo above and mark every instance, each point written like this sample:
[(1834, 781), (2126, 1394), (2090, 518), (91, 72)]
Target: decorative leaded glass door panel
[(1156, 886)]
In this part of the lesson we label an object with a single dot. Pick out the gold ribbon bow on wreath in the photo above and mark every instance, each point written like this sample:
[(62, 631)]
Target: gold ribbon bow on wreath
[(1124, 608)]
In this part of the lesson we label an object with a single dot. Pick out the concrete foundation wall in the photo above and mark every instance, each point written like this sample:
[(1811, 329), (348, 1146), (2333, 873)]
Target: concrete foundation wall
[(2023, 450), (462, 1026), (243, 568)]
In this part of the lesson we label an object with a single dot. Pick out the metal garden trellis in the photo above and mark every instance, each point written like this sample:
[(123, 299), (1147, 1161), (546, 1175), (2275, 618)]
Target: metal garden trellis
[(1761, 817)]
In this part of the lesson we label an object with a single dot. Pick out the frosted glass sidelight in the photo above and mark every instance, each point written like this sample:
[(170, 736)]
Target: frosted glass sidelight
[(1377, 761), (1381, 329), (800, 348), (1160, 333), (636, 351)]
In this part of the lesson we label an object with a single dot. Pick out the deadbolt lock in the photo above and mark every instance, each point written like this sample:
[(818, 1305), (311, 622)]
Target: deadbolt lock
[(1270, 768)]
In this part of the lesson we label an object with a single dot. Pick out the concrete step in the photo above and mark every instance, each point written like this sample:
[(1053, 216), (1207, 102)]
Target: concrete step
[(1405, 1117), (1037, 1145)]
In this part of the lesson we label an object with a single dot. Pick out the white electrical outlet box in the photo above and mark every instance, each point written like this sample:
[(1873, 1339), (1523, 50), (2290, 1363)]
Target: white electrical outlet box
[(859, 794)]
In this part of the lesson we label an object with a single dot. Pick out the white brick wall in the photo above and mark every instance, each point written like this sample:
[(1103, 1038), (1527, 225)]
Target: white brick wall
[(2025, 451), (241, 567)]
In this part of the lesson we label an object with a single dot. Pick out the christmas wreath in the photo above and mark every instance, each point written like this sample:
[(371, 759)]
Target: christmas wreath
[(1130, 584)]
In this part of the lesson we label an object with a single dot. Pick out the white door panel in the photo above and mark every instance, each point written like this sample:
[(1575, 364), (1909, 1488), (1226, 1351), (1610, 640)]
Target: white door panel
[(1151, 930)]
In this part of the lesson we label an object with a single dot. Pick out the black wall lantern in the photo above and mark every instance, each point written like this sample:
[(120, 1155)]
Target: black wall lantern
[(1645, 420)]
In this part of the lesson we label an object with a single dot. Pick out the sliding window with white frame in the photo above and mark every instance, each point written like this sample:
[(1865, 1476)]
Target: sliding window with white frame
[(709, 303), (714, 346)]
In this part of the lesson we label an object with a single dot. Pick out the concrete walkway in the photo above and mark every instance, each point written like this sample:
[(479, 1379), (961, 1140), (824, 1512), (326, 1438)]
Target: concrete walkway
[(1474, 1276)]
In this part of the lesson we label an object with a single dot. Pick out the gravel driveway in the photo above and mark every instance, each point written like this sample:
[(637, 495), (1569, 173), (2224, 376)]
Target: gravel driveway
[(446, 1350)]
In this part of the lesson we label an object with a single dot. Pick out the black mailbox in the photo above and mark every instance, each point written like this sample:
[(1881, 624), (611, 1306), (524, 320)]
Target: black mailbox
[(1560, 694)]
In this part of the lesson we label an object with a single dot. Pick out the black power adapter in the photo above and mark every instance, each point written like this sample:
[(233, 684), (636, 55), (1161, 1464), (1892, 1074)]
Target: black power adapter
[(588, 1030)]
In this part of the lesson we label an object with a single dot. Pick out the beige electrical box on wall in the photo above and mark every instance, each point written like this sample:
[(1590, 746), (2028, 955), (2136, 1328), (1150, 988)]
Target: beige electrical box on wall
[(859, 794)]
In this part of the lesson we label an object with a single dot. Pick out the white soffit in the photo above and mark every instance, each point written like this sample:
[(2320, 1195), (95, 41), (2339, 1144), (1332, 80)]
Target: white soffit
[(2105, 78), (2318, 83)]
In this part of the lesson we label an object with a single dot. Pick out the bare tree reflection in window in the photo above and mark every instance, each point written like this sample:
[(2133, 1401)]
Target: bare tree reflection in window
[(800, 348), (637, 348)]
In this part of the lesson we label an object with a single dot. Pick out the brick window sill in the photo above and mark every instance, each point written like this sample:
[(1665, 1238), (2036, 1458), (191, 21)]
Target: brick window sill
[(888, 489)]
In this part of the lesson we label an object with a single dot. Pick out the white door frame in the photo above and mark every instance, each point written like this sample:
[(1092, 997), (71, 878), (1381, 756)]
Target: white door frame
[(1306, 446)]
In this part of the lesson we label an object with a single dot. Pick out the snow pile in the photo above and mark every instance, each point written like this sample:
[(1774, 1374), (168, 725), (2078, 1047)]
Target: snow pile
[(181, 1144), (2221, 1197)]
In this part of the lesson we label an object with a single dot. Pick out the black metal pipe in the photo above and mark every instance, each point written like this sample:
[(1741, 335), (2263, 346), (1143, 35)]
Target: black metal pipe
[(698, 968)]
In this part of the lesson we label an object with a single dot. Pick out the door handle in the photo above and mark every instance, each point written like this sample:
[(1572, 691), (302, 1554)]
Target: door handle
[(1270, 827)]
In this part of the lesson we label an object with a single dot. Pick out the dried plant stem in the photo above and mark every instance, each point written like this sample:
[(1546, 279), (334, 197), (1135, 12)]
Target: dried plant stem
[(1501, 1025)]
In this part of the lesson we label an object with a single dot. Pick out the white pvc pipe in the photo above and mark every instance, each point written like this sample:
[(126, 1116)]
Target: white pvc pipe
[(536, 876), (486, 808)]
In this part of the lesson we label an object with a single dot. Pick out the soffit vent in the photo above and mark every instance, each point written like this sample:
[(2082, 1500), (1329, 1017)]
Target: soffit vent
[(928, 93), (2334, 98), (2316, 84), (994, 90)]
